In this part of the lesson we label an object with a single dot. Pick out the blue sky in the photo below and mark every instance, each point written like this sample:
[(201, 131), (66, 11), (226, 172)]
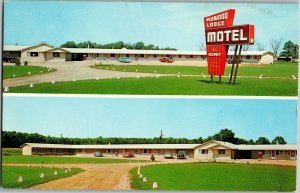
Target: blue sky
[(144, 117), (178, 25)]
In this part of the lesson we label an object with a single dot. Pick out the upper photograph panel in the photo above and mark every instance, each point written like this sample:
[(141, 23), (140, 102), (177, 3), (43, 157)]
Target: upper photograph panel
[(143, 48)]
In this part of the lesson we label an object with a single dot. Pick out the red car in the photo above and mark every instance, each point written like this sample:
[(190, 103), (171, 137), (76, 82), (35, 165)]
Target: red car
[(128, 154), (166, 59)]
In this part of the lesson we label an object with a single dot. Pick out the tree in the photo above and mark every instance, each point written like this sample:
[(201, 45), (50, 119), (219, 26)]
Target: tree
[(69, 44), (246, 47), (262, 140), (202, 47), (260, 46), (290, 50), (139, 45), (223, 135), (275, 45), (278, 140)]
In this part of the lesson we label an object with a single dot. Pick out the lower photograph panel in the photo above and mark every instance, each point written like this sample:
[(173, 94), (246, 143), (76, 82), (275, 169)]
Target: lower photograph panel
[(108, 143)]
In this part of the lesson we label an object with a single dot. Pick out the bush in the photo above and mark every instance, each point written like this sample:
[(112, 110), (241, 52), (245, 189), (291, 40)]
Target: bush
[(152, 158), (17, 62), (26, 63)]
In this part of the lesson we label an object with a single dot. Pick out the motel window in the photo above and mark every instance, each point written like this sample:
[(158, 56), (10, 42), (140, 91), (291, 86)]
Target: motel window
[(285, 152), (280, 152), (56, 54), (34, 54), (112, 55), (221, 151), (267, 152), (277, 152), (179, 56), (248, 57), (141, 55), (204, 151)]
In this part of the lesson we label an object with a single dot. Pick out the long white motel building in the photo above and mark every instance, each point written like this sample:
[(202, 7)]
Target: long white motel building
[(208, 150), (45, 52)]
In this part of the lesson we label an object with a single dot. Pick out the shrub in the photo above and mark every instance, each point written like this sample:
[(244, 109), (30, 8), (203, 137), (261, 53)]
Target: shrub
[(17, 62), (152, 158), (26, 63)]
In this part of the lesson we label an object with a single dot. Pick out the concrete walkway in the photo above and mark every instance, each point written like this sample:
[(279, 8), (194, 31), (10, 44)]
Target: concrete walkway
[(68, 70)]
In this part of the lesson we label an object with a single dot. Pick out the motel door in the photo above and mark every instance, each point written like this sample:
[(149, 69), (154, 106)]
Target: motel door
[(273, 154), (293, 154)]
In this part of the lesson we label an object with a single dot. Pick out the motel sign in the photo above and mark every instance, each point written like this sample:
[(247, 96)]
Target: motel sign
[(219, 34)]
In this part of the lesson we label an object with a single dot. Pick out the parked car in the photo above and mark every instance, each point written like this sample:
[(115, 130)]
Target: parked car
[(169, 156), (166, 59), (181, 155), (125, 60), (98, 154), (128, 154)]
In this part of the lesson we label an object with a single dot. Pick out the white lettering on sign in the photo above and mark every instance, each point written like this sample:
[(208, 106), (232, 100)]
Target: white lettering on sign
[(228, 35), (214, 54), (221, 16), (216, 20)]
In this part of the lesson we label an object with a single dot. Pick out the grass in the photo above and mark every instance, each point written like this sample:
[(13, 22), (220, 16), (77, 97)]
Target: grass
[(216, 177), (31, 176), (21, 71), (11, 151), (168, 86), (278, 69), (62, 160)]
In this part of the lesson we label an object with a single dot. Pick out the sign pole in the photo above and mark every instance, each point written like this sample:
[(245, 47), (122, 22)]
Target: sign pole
[(233, 62), (211, 78), (237, 64)]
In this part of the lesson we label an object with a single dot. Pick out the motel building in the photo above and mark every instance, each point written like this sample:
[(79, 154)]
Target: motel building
[(47, 53), (206, 151)]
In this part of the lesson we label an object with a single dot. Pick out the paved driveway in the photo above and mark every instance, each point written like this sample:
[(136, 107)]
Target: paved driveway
[(67, 71)]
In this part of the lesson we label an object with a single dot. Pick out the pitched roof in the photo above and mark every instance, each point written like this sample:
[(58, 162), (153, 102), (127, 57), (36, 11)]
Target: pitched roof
[(14, 47), (267, 147), (157, 52), (126, 51), (216, 143), (115, 146)]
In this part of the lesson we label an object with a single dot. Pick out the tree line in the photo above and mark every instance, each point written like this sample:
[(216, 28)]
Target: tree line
[(115, 45), (13, 139)]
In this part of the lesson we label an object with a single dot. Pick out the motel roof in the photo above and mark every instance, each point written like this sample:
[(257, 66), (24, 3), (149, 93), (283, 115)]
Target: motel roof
[(122, 51), (114, 146), (14, 47), (165, 146), (267, 147)]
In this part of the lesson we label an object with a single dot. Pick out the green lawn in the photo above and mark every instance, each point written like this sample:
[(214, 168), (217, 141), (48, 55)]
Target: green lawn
[(62, 160), (20, 71), (31, 176), (168, 86), (216, 177), (11, 151), (285, 69)]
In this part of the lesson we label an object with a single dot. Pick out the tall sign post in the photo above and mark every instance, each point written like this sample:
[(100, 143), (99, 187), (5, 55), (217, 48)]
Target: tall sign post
[(219, 34)]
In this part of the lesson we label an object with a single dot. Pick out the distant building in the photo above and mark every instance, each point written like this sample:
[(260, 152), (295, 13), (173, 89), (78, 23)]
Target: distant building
[(45, 52), (210, 150)]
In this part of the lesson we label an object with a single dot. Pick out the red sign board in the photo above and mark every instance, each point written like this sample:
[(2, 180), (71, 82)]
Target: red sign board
[(221, 19), (219, 34), (234, 35), (217, 54), (216, 59)]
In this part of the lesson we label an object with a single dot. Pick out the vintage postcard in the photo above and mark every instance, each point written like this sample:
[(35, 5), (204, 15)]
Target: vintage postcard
[(143, 48), (207, 144), (149, 96)]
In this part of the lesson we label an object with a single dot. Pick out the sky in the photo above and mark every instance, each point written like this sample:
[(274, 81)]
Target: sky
[(178, 25), (143, 117)]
